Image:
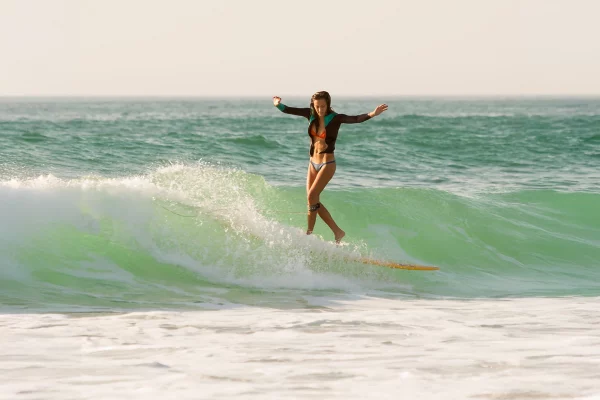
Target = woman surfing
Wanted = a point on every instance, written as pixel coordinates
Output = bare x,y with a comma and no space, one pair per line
323,127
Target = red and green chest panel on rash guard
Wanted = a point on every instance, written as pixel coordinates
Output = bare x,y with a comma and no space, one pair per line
333,122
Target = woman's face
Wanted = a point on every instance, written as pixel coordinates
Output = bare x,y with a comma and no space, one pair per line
320,107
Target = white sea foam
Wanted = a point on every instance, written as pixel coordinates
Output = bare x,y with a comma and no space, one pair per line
345,347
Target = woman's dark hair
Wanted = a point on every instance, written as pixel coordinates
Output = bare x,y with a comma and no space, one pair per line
322,95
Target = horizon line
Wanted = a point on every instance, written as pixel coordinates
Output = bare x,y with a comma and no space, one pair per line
256,96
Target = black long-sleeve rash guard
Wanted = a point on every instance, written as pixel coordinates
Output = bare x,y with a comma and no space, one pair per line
333,121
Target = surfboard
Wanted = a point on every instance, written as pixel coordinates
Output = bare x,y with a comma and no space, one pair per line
389,264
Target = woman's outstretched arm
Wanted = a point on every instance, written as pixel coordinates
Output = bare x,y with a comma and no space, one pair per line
301,112
356,119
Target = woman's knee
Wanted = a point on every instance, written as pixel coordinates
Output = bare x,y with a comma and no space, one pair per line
313,197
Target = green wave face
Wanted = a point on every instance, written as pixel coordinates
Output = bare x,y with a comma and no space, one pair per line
198,235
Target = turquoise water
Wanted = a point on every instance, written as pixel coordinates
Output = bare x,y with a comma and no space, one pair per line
182,203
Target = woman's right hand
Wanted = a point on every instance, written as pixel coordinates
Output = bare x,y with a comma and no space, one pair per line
276,100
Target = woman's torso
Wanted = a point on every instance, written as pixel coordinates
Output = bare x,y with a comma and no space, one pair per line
323,141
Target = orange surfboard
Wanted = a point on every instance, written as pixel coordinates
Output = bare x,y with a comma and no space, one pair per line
394,265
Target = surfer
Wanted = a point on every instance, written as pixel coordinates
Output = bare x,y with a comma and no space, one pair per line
323,127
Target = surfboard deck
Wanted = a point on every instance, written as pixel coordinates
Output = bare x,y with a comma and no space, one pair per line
390,264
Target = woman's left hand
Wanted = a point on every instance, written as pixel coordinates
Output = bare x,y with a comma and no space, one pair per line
380,108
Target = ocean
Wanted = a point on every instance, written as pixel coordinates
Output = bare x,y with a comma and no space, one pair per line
156,248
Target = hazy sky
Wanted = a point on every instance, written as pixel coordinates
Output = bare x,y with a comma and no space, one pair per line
296,47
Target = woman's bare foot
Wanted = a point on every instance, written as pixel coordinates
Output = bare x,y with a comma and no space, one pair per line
308,232
339,236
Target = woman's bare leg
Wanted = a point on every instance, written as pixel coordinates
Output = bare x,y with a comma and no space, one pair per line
328,219
310,178
315,183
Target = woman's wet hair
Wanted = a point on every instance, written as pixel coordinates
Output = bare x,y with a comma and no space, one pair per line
322,95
